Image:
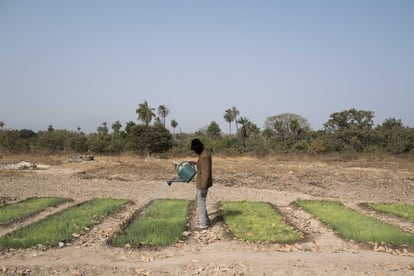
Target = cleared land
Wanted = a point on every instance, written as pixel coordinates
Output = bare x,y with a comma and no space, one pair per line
278,181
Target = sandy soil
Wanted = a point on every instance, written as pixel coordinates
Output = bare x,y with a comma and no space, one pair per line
213,252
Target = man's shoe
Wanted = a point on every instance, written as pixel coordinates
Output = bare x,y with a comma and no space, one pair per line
202,228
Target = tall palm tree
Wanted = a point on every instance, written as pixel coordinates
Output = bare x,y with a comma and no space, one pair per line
247,129
163,111
229,117
244,129
145,113
174,124
116,127
235,114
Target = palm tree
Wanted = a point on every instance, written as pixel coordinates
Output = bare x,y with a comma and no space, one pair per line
103,129
248,129
163,111
145,113
229,117
174,124
116,127
235,112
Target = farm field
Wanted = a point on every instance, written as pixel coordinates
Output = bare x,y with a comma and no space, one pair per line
278,181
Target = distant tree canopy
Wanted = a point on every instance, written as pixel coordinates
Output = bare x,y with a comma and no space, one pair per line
349,131
394,138
213,130
350,119
145,139
286,125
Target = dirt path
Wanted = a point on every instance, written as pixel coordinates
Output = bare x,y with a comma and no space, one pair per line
214,252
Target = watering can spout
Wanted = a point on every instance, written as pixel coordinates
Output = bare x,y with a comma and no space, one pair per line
185,171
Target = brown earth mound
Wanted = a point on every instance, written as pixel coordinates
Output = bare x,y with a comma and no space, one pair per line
213,252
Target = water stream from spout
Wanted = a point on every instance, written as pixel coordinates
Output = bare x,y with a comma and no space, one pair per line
160,191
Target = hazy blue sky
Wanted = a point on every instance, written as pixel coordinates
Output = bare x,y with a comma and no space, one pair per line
79,63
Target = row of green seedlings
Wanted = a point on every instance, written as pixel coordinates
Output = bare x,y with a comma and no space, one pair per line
162,223
355,226
58,227
29,207
405,211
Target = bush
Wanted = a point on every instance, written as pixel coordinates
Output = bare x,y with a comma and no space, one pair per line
145,139
326,143
99,143
78,143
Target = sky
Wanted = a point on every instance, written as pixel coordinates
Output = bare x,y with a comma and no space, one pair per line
79,63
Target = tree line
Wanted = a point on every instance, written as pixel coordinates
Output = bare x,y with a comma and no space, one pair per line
348,131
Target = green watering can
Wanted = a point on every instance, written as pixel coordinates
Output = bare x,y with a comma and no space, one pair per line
185,172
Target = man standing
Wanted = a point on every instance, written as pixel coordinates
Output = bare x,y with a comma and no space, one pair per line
203,182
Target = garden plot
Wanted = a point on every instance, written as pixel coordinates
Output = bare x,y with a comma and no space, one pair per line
394,213
165,222
257,221
160,223
355,226
405,211
63,226
17,211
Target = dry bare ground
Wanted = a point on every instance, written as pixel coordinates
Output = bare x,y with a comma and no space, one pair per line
214,252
